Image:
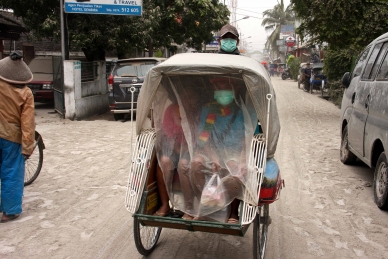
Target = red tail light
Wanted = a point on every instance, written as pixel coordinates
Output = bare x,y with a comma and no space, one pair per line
110,83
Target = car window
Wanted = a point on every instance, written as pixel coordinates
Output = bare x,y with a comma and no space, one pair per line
133,69
383,72
379,59
372,61
360,62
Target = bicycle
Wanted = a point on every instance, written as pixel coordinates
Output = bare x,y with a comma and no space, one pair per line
34,163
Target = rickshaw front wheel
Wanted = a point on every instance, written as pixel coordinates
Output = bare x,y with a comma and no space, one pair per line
260,231
145,237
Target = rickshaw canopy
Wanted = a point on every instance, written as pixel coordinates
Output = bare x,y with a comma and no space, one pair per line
256,78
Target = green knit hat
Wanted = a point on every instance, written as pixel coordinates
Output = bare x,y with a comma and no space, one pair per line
14,70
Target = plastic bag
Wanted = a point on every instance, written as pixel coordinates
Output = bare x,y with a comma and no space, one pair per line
212,194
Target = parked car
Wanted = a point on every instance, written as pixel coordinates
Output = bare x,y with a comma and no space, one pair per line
364,115
42,82
127,73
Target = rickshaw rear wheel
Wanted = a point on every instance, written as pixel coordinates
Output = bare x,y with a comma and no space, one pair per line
145,237
260,231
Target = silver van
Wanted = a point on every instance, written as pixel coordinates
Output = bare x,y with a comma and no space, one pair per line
126,74
364,115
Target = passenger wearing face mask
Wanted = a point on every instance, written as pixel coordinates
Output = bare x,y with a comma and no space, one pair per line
228,40
220,149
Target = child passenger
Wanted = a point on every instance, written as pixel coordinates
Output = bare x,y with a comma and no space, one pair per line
172,147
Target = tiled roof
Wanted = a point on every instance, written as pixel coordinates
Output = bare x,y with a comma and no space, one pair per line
10,26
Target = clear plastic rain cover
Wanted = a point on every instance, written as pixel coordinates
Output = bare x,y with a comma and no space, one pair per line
204,128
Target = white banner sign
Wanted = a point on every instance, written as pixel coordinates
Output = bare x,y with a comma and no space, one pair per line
279,42
114,7
282,48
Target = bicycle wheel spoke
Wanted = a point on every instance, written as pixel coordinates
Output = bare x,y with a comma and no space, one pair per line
34,163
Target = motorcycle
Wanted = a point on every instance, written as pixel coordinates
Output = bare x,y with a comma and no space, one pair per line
286,74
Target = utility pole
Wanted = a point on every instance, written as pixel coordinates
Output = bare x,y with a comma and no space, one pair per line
233,12
64,38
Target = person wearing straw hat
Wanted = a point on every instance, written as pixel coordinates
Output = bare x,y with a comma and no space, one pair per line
17,132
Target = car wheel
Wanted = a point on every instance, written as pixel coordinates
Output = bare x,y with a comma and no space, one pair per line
118,116
347,157
380,183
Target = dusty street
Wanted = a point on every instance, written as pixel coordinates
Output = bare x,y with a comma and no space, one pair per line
75,208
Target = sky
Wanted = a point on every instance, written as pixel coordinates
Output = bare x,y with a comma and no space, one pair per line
251,27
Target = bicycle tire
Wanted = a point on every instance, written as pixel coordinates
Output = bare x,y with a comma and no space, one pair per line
33,164
260,232
145,237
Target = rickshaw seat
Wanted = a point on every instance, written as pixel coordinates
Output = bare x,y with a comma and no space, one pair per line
147,193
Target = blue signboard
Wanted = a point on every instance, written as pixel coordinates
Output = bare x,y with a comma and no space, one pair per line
113,7
214,42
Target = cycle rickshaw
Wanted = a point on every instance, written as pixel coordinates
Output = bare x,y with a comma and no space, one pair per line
188,81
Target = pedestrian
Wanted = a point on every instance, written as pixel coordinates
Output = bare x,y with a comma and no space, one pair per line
17,129
307,76
272,69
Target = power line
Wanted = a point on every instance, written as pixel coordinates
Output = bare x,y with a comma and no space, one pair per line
249,11
250,16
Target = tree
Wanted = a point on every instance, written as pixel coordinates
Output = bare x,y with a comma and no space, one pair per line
273,20
162,23
191,22
347,27
341,23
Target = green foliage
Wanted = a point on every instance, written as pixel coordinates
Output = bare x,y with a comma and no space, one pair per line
341,24
336,92
159,54
347,27
289,58
337,62
162,23
293,63
190,22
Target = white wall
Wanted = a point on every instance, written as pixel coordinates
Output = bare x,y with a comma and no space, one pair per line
83,100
